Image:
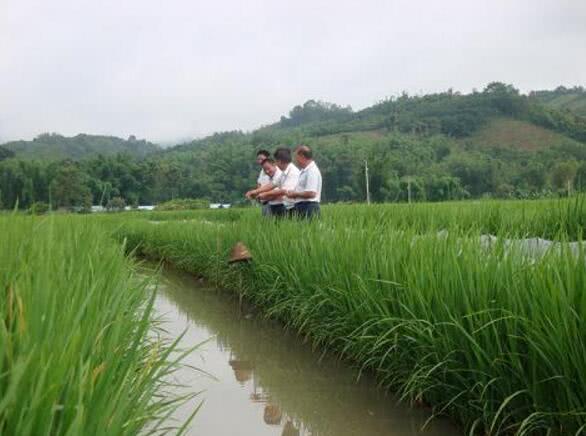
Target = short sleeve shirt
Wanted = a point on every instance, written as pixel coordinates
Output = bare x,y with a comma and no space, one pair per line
276,180
310,180
288,182
263,178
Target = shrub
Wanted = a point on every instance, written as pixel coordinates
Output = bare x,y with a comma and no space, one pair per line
39,208
183,204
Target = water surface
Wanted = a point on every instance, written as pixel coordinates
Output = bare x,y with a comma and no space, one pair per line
266,380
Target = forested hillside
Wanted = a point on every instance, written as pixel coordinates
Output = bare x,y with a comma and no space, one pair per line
496,142
446,146
52,146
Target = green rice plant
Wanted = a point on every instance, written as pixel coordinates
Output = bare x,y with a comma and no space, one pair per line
537,218
488,334
78,353
223,215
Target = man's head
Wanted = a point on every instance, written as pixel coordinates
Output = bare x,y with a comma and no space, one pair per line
303,155
261,155
283,157
269,167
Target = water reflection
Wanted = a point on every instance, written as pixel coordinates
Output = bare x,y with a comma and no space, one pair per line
269,382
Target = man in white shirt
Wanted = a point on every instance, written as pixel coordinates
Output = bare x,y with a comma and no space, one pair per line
307,192
262,180
275,175
282,205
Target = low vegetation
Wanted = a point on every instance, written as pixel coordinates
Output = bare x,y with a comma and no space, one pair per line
183,204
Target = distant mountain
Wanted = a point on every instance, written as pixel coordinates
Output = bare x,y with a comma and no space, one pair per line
562,98
499,116
52,146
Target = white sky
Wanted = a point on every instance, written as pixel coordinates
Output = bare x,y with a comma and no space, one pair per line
173,69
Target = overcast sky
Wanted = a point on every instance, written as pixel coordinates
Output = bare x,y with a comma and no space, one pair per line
172,69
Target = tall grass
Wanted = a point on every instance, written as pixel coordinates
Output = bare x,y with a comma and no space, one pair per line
483,334
77,353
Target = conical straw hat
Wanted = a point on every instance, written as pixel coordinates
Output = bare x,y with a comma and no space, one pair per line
239,253
272,414
242,370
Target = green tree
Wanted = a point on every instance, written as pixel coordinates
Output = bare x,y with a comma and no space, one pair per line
116,204
535,175
69,187
5,153
563,175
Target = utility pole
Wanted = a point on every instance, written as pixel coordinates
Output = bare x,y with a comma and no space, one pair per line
409,189
569,187
367,184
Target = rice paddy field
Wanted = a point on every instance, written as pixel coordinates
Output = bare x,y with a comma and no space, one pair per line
456,306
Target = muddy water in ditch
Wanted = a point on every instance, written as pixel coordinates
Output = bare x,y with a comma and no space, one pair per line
266,380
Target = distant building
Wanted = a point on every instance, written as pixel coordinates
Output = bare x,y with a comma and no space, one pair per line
98,208
220,205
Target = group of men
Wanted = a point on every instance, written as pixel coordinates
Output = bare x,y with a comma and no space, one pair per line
284,189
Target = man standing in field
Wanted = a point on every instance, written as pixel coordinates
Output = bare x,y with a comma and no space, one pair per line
286,182
262,180
276,175
275,203
307,192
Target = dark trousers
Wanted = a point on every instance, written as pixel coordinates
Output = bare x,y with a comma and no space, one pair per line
307,209
266,209
278,210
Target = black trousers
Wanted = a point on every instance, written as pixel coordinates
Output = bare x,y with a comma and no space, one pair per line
266,209
278,210
307,209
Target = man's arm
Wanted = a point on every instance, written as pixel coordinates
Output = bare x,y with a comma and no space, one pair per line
255,192
304,194
310,191
273,194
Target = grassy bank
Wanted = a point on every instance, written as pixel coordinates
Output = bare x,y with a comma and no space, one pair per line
484,334
77,353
